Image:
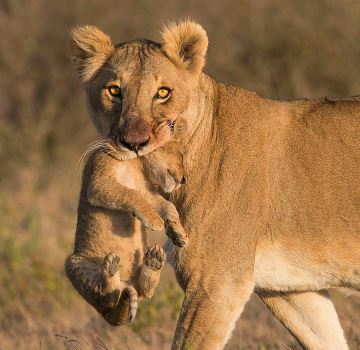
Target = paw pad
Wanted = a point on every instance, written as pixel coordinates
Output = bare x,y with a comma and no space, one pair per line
111,264
155,257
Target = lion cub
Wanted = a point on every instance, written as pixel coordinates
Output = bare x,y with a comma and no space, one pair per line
111,266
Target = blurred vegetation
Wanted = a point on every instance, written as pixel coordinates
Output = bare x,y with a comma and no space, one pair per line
279,48
169,297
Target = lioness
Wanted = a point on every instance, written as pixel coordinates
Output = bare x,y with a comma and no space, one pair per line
272,202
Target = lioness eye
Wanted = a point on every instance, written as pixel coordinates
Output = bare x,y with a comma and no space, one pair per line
114,91
163,93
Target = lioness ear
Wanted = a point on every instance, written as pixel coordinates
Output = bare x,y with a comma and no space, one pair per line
90,50
185,44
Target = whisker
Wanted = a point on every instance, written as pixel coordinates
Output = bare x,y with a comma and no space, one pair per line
93,145
88,150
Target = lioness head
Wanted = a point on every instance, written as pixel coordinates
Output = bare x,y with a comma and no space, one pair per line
134,86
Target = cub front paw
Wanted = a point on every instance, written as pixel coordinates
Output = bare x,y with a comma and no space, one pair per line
176,233
111,264
155,257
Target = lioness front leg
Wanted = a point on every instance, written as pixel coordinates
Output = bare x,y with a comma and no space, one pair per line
150,272
209,313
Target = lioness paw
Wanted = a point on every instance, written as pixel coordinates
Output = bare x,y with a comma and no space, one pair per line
155,257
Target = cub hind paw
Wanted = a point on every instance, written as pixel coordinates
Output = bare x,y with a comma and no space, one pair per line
155,257
111,264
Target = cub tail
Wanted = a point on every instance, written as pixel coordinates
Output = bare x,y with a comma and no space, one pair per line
125,310
133,302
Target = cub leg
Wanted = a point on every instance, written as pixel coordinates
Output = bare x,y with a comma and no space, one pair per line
97,284
310,317
170,215
150,272
125,310
110,194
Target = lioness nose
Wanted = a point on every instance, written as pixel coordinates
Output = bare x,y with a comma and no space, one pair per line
134,146
134,133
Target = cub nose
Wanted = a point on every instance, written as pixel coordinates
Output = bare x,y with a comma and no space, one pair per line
134,134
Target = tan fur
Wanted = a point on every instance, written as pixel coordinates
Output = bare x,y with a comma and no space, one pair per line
110,267
91,48
185,44
272,199
310,317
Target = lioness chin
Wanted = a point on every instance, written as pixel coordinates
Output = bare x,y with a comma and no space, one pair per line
272,202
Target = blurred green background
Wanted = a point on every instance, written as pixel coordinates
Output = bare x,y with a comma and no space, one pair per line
280,48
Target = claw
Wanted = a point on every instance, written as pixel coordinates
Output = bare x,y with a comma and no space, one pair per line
179,242
131,317
158,255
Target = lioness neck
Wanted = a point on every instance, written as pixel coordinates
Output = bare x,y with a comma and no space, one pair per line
225,135
201,137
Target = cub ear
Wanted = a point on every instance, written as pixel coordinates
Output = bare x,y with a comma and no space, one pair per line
185,43
90,48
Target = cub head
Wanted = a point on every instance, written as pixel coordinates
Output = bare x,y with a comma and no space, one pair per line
134,86
164,168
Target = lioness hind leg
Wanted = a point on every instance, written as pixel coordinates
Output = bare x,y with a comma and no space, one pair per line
150,271
310,317
97,284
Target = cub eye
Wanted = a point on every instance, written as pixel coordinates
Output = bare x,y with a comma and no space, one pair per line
114,91
163,93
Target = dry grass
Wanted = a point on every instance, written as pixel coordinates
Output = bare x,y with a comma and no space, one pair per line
279,48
